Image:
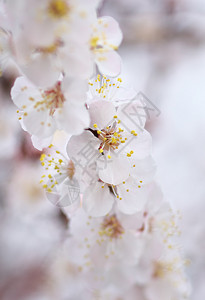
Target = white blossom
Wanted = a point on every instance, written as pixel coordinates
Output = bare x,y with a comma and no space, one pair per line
62,106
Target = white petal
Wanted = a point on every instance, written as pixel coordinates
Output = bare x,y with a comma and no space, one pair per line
134,221
39,123
98,201
114,171
143,170
67,194
133,197
129,248
40,143
111,30
73,118
74,89
108,62
41,71
82,146
140,144
101,113
132,115
22,90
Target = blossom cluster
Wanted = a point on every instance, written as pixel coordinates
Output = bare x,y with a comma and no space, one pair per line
121,232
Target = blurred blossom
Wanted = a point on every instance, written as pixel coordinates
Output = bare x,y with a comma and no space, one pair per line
61,251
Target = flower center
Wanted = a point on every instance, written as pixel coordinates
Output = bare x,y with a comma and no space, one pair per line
103,86
110,138
111,227
58,9
52,99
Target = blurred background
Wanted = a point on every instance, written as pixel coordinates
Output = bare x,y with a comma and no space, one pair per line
163,53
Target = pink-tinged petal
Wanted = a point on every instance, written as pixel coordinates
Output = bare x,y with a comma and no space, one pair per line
108,62
132,115
82,146
101,113
22,92
161,289
141,145
131,197
155,202
74,89
143,170
78,63
73,118
110,28
39,123
114,171
129,247
98,201
133,222
41,71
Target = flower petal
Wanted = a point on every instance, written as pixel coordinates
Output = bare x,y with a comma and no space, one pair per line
82,147
97,201
72,118
141,145
111,30
101,113
133,115
22,91
108,62
39,123
131,198
143,170
114,171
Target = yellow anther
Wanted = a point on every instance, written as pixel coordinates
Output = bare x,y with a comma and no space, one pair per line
139,186
127,190
95,125
131,152
49,176
109,156
58,9
115,117
99,132
50,146
43,155
102,186
101,150
128,155
57,152
94,42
